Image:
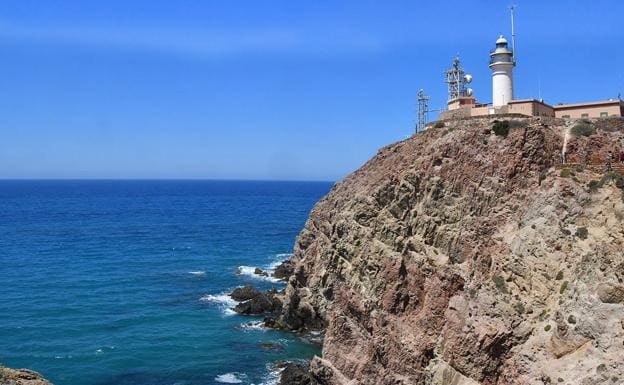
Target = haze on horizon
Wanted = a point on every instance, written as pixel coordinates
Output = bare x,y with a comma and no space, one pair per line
266,90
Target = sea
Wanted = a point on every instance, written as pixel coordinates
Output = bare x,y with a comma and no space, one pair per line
127,282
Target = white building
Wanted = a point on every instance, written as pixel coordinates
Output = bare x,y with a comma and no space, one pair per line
502,63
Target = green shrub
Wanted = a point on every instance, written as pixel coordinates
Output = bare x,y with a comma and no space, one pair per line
583,128
438,125
582,232
559,276
566,172
547,328
500,284
501,128
563,287
612,176
593,185
517,124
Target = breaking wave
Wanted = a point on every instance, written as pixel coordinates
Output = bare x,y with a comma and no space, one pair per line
250,271
223,300
230,378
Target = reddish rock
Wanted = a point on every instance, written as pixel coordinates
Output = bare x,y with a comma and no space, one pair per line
435,262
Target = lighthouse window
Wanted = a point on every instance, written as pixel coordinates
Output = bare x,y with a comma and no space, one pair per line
604,114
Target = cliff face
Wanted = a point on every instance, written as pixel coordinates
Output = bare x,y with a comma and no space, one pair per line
21,377
462,257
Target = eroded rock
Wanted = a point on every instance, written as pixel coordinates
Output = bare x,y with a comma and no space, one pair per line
459,247
21,377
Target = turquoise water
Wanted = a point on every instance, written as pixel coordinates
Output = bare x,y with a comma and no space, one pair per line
122,282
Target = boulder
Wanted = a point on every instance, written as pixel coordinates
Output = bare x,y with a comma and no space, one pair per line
255,302
609,293
295,373
245,293
284,270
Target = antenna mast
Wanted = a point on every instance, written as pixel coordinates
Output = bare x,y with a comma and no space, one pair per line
423,111
512,8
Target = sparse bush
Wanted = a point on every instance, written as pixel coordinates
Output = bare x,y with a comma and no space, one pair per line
438,125
612,176
593,185
501,128
582,232
517,124
566,172
500,284
563,287
547,328
519,306
559,276
583,128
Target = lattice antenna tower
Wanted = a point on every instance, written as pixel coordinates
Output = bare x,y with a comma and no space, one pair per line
423,111
455,80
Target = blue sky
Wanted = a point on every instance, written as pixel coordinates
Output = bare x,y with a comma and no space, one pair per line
283,90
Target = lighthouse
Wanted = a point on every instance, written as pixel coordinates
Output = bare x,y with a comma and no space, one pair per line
502,63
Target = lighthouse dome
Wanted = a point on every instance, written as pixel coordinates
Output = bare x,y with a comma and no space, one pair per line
501,40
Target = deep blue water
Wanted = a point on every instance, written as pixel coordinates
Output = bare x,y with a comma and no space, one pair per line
120,282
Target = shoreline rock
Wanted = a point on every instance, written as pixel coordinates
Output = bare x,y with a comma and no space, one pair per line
296,373
21,377
255,302
284,270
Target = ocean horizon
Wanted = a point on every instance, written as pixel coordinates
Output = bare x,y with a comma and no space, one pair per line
126,281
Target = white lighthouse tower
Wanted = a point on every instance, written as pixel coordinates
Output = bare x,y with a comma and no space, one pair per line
502,63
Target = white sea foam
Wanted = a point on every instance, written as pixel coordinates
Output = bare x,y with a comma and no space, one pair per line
197,273
230,378
254,325
272,377
249,271
223,300
279,259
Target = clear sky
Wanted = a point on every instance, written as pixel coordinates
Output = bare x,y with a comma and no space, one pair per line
301,90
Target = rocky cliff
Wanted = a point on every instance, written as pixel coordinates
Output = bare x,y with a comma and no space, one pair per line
466,255
21,377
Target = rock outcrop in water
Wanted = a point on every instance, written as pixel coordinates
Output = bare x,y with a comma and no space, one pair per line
21,377
254,302
461,257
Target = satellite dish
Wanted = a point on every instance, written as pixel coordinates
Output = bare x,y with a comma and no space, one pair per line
467,78
468,91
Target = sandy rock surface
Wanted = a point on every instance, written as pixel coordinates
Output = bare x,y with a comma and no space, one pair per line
21,377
